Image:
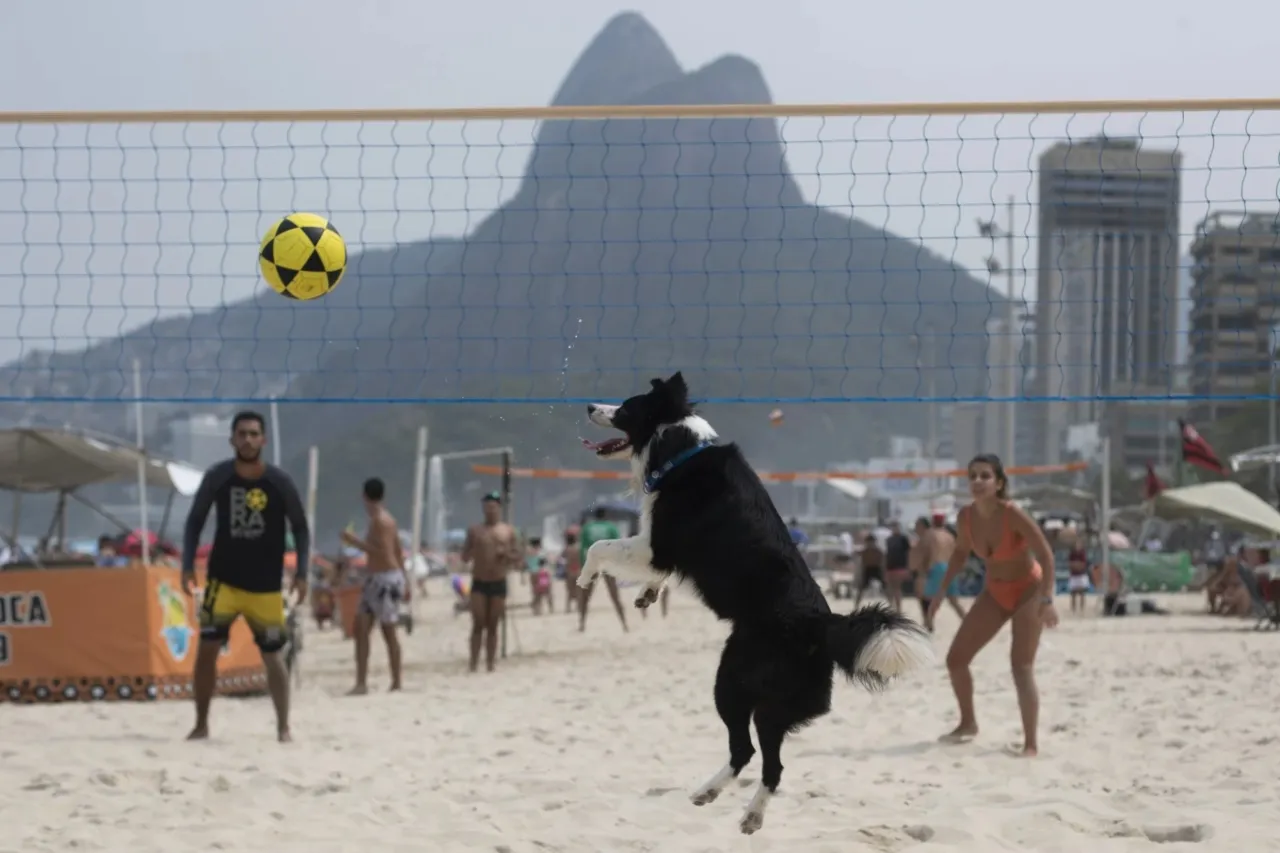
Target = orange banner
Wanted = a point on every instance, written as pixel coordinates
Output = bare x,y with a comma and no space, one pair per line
96,633
781,476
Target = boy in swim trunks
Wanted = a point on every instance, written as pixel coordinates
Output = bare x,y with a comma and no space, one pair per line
385,585
937,545
492,550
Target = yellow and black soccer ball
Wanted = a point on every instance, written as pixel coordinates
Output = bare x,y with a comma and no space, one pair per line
303,256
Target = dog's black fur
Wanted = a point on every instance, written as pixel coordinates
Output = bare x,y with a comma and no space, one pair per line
714,525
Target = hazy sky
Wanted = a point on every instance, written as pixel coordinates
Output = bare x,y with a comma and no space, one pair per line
926,180
159,54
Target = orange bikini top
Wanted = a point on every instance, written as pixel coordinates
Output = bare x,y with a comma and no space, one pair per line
1011,544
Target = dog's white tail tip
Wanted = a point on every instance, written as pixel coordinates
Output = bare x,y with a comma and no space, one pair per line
896,651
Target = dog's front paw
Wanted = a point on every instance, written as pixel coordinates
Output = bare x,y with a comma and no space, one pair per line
587,576
648,596
711,788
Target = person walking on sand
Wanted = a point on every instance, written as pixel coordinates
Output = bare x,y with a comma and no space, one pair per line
386,584
871,568
937,546
572,558
897,564
1019,589
1078,576
596,530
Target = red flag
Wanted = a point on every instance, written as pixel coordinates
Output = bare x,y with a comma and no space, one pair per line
1196,451
1154,484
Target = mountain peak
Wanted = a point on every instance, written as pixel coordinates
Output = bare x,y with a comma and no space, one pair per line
628,25
627,57
736,75
730,79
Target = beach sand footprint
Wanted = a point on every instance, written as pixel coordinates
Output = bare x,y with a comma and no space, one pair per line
893,838
1185,834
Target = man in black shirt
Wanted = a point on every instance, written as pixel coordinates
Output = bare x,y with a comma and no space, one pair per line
253,502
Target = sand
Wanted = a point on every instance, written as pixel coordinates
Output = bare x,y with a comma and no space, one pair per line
1157,731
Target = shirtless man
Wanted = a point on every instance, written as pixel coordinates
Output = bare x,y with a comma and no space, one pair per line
872,569
492,550
385,585
937,545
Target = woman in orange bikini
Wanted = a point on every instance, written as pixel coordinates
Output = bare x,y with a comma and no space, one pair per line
1017,590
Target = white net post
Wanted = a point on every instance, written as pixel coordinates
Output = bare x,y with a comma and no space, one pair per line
419,478
1104,523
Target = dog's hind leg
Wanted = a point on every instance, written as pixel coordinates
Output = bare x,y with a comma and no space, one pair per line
734,705
774,721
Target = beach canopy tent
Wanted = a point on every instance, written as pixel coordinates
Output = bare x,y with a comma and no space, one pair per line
64,461
1225,502
47,459
90,632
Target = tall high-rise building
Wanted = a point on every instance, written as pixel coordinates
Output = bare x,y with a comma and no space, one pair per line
995,416
1107,288
968,430
1235,314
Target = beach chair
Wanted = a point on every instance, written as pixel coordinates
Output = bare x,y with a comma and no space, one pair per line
1264,589
841,584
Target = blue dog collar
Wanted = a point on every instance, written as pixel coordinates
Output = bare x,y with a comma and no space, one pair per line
651,481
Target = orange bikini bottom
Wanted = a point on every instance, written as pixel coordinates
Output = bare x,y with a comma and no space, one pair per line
1009,594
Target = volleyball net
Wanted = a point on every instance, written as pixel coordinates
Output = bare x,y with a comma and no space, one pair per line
1060,256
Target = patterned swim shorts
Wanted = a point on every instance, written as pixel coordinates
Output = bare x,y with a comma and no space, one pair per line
381,596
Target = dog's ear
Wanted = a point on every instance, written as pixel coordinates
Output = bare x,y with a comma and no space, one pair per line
676,387
656,383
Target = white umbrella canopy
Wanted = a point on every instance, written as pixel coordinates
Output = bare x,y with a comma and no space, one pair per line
1225,502
44,459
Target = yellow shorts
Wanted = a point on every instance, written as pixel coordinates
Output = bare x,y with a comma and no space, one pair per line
263,611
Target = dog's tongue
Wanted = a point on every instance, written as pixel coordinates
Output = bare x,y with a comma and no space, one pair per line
593,445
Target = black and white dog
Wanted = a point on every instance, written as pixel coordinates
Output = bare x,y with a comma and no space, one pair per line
707,519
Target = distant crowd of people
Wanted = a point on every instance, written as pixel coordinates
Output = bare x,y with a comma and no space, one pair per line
493,550
912,564
257,507
110,551
904,566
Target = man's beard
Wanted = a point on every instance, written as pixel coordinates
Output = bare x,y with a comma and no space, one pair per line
248,455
